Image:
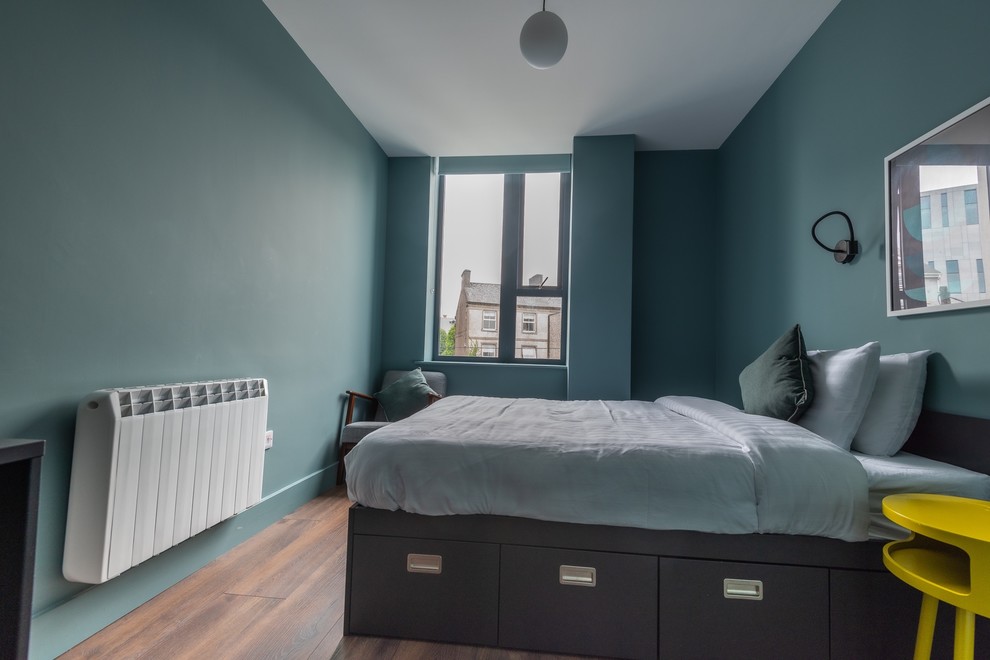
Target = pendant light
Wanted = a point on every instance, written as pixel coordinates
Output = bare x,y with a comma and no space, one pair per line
543,39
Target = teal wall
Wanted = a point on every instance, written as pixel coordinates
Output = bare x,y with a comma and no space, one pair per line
599,340
874,77
599,347
407,299
183,197
674,281
506,380
638,219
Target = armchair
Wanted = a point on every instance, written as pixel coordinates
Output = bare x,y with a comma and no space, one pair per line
356,428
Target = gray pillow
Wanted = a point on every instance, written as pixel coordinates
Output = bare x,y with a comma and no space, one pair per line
779,383
844,382
407,395
895,404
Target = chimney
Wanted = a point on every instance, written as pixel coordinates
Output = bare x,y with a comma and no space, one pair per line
465,278
536,280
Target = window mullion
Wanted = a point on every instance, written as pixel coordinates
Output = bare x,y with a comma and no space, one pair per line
512,210
439,268
563,259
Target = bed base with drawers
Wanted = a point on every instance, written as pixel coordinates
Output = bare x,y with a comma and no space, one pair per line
635,593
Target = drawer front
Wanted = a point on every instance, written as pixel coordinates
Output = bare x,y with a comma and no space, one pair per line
875,615
444,591
566,601
714,609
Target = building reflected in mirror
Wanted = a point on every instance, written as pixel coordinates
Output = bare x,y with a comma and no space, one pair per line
938,218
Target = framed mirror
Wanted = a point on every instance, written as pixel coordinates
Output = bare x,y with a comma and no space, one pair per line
938,218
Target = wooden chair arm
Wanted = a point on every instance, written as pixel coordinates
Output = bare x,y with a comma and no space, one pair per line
432,398
351,398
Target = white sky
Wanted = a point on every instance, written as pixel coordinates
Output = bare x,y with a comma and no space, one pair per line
472,231
937,177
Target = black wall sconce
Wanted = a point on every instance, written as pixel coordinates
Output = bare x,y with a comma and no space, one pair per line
844,251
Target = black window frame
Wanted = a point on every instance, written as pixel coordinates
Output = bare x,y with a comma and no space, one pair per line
513,208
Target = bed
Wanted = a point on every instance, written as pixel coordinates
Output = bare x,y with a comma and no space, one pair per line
470,533
677,463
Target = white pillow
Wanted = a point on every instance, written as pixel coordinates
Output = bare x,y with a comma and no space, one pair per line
844,381
895,406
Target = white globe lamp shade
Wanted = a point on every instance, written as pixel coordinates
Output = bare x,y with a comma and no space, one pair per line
543,39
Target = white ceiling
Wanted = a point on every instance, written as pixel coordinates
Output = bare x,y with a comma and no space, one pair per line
445,77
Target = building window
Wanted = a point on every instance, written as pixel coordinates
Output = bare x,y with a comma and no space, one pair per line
926,212
501,247
529,323
952,276
972,211
945,209
981,278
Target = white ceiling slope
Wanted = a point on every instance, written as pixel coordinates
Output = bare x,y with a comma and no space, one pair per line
445,77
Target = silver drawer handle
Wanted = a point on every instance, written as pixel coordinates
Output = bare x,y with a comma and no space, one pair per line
578,576
424,564
743,589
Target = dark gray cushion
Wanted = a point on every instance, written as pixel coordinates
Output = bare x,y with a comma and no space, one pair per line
407,395
435,379
356,431
778,383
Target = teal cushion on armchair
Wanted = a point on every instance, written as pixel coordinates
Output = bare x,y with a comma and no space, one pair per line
407,395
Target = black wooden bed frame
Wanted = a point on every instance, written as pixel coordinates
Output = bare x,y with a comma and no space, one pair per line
500,581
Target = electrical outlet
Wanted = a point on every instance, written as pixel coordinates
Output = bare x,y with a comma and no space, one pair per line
269,439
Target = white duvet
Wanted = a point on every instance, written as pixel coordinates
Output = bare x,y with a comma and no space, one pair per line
678,463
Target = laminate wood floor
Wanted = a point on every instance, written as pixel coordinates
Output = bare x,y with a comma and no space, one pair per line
280,594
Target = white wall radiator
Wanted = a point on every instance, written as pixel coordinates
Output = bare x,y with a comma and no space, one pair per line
155,465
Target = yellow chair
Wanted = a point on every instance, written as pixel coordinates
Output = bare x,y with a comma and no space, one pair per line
947,558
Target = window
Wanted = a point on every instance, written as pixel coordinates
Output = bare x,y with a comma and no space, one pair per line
981,278
972,211
945,209
952,274
501,247
926,212
529,323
